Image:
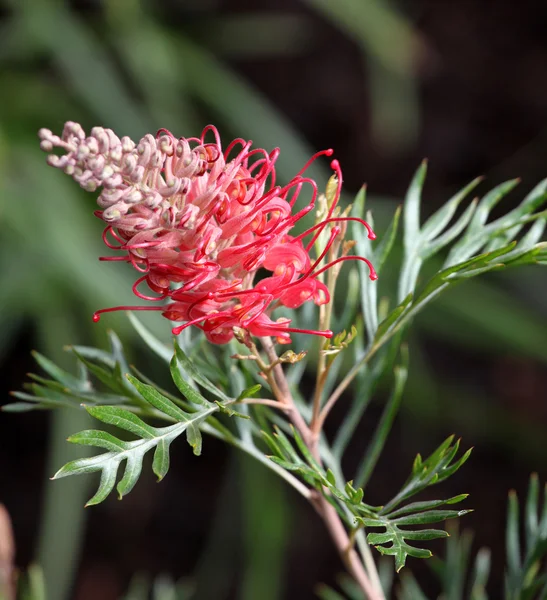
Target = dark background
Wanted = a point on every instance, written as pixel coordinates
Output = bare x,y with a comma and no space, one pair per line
463,83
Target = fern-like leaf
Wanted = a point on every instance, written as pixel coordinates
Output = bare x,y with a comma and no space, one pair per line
132,452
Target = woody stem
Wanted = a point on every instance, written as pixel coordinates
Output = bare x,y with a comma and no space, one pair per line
332,520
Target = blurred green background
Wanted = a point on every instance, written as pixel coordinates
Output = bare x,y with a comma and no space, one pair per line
384,84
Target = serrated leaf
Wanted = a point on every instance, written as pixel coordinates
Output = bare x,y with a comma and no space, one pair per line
397,538
424,473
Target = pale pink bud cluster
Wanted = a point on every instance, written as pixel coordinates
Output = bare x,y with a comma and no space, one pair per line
199,222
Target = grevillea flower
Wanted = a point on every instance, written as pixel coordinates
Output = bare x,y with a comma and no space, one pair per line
198,223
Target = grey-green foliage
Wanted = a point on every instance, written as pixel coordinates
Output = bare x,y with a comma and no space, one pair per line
161,588
473,247
386,318
119,409
526,575
385,328
399,520
31,584
482,246
107,391
210,383
158,438
463,577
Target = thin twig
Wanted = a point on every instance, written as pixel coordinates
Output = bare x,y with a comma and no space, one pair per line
325,316
344,384
265,402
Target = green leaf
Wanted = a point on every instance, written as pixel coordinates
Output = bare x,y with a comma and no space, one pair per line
157,400
392,318
227,410
158,347
383,428
415,507
160,464
66,379
440,219
133,468
32,585
122,418
249,392
187,365
99,439
411,213
450,234
523,579
178,375
133,451
481,572
478,235
393,540
110,377
387,242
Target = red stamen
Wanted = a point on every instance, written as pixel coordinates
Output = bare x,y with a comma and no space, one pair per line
372,276
177,330
371,234
97,314
335,166
110,230
335,231
162,131
115,258
215,133
143,296
328,152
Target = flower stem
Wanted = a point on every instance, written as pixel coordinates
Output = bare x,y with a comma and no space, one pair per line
332,520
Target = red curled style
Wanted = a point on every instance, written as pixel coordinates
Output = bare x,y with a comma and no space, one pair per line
198,222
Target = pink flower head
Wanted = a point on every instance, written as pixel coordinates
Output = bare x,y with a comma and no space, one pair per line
199,223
